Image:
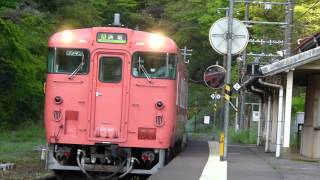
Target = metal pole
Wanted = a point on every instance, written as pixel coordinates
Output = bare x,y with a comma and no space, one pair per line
265,22
224,63
195,122
243,72
228,80
268,124
288,30
262,2
236,123
215,111
259,123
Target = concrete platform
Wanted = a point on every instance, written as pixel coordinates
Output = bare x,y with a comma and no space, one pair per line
214,169
200,160
244,164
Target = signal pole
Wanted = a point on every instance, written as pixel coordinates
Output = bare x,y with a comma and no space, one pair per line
228,80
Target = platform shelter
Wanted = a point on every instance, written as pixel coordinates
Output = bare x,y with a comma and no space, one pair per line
275,88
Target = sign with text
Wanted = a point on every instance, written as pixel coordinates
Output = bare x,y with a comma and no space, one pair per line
112,38
206,120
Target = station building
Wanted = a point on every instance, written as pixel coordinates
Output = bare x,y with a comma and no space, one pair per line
275,86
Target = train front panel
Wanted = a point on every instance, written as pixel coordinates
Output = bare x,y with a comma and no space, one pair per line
112,97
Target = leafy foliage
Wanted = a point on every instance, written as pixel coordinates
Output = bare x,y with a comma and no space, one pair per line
20,89
25,26
247,136
306,21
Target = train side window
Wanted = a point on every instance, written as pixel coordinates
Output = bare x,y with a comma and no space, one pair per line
110,69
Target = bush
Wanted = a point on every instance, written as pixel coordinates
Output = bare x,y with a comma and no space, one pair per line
243,136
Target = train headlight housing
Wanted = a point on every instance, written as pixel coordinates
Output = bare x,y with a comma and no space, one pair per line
159,105
58,100
156,41
67,36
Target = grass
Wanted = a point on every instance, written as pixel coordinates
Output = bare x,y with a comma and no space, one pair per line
243,136
18,145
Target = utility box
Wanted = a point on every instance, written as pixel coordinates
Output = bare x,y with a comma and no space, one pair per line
299,127
256,116
300,117
256,112
253,69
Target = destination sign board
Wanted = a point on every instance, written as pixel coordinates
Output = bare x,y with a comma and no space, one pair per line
111,38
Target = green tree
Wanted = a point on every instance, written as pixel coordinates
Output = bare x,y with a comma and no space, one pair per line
26,25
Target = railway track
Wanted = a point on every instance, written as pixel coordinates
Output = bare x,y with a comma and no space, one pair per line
125,178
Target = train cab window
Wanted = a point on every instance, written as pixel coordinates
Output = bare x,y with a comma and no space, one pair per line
110,69
154,65
67,61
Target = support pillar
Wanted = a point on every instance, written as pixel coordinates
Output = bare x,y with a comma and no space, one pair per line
274,119
268,122
311,128
287,114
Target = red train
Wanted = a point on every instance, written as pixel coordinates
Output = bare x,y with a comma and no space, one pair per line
115,101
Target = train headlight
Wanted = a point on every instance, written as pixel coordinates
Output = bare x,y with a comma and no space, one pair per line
67,36
156,41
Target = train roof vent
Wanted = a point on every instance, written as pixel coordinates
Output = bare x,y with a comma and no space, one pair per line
116,21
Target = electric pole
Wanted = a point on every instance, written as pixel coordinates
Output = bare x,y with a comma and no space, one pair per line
245,55
242,74
228,79
289,78
288,30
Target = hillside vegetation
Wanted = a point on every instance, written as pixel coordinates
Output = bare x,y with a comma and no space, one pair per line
25,26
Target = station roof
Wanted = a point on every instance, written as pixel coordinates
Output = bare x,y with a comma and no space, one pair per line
308,57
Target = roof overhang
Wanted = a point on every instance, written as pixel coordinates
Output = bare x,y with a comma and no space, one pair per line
291,62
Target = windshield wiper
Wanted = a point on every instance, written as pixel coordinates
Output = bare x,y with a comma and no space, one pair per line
78,68
144,70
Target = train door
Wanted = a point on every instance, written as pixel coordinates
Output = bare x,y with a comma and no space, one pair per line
108,104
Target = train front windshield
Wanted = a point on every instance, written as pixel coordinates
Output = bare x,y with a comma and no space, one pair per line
154,65
67,61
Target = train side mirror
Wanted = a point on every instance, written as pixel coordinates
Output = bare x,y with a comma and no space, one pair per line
214,77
